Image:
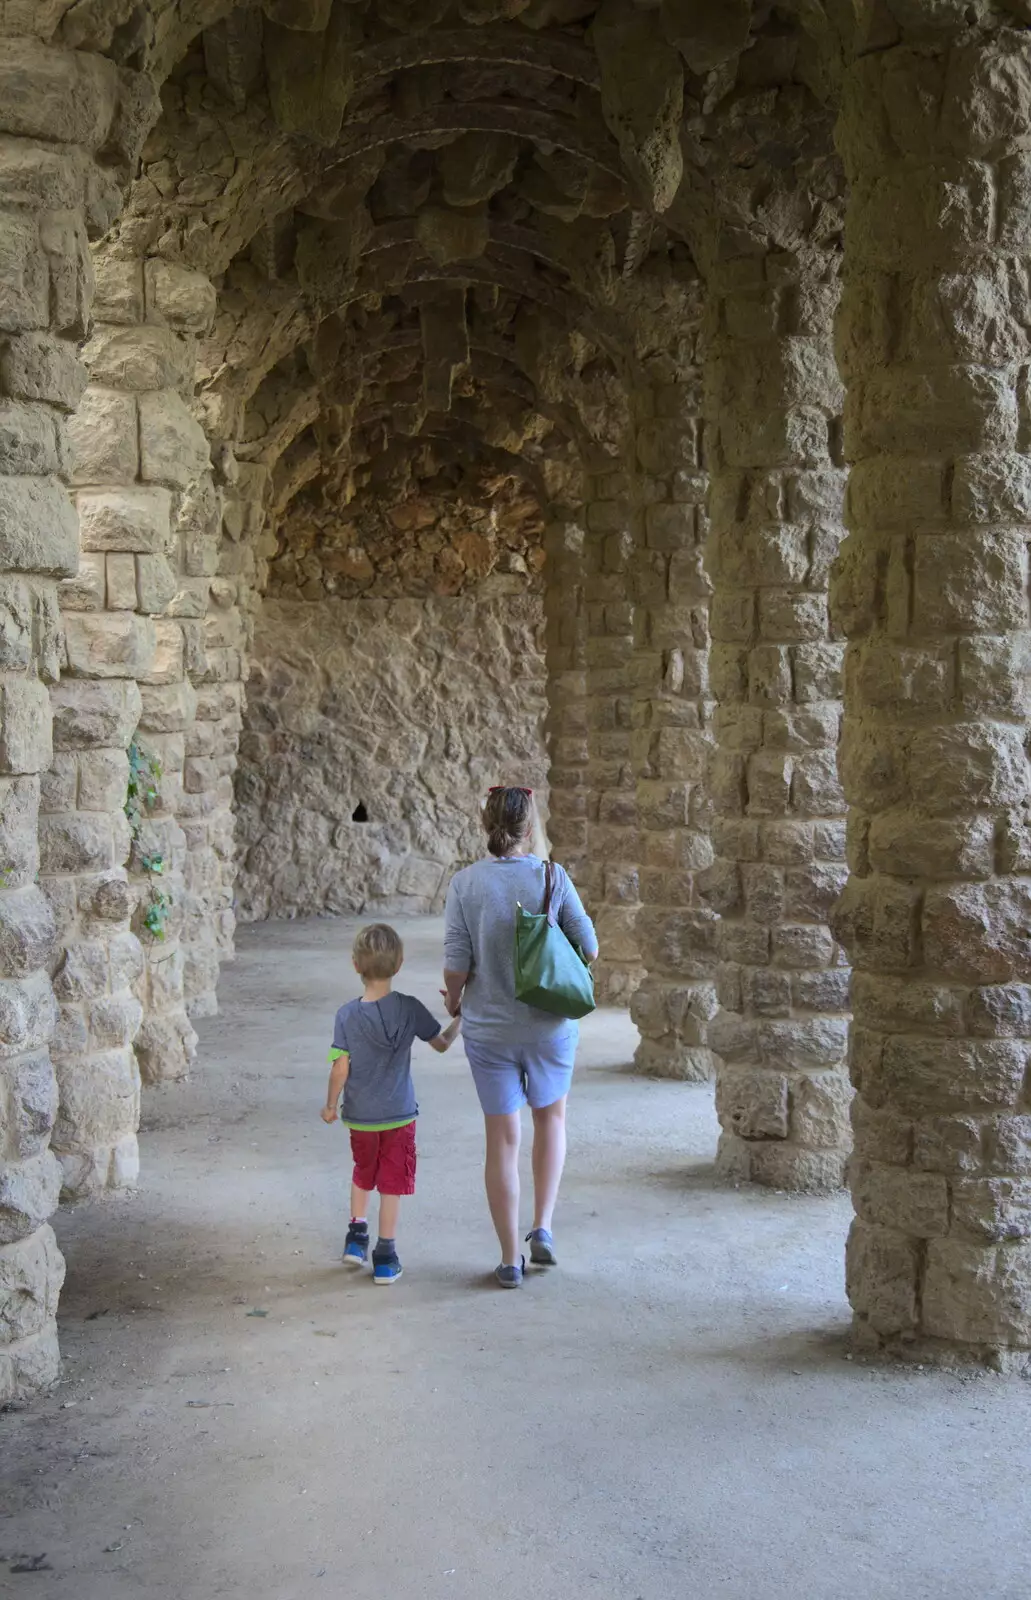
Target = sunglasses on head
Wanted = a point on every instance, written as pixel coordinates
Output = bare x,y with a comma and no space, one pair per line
499,788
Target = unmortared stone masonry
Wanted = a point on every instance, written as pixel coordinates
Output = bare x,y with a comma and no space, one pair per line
513,349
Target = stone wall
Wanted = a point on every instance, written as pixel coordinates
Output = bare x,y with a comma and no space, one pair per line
407,708
423,527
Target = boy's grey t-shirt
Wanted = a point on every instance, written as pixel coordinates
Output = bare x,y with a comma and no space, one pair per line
377,1036
479,938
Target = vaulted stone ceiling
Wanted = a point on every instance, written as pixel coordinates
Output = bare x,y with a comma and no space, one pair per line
479,220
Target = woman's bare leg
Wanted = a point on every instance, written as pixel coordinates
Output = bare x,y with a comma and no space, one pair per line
501,1175
549,1157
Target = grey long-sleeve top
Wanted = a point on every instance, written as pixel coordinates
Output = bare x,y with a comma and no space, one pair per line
479,938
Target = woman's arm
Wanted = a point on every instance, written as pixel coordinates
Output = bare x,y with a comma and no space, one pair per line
574,921
458,952
454,983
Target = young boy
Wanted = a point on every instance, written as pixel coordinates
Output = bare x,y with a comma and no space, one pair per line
372,1067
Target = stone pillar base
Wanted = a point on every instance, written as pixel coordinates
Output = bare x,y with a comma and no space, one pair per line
780,1165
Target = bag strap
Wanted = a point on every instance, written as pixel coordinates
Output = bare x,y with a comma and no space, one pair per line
549,891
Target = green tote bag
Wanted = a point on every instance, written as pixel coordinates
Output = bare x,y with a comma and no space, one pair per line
550,971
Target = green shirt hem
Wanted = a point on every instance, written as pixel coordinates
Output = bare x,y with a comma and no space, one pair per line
378,1127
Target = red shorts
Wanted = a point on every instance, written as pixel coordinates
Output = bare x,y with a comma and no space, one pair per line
385,1161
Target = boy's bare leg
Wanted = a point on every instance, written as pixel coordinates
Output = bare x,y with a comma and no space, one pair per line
359,1201
549,1158
389,1209
501,1176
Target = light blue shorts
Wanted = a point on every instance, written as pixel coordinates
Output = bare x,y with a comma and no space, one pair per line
510,1076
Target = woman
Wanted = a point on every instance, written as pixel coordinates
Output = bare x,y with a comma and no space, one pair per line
518,1054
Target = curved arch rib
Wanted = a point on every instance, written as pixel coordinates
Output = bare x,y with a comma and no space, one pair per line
491,46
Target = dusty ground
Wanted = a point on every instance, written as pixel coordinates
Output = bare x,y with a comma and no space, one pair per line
668,1416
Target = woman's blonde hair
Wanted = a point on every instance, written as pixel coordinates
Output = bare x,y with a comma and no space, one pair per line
377,951
508,819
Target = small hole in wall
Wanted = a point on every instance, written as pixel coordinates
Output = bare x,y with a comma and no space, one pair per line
359,814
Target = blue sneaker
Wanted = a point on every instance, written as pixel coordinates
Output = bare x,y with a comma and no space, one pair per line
511,1277
356,1245
386,1269
542,1248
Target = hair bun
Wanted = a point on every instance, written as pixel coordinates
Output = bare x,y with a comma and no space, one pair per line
508,820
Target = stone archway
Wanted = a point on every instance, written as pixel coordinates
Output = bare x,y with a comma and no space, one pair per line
266,268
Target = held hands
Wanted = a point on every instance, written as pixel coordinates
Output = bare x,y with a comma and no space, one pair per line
452,1007
329,1113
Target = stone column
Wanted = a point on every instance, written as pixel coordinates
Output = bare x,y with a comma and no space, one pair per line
932,590
774,398
565,634
611,880
56,109
672,745
237,559
141,470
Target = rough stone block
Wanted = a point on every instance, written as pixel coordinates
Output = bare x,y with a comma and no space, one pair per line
168,708
31,1275
88,715
56,95
920,1075
103,780
30,441
27,932
991,488
991,1210
86,591
950,1144
106,897
994,676
173,449
978,1294
25,726
28,1195
820,1104
31,1091
109,644
165,1047
976,933
35,366
914,1203
751,1102
63,238
177,295
946,411
902,842
119,290
155,583
806,1044
105,438
169,661
16,629
969,583
40,528
99,1099
114,1021
24,278
19,806
31,1367
885,674
120,581
881,1268
139,359
134,519
76,841
1002,1011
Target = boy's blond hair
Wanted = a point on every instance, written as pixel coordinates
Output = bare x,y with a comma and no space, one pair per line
378,952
